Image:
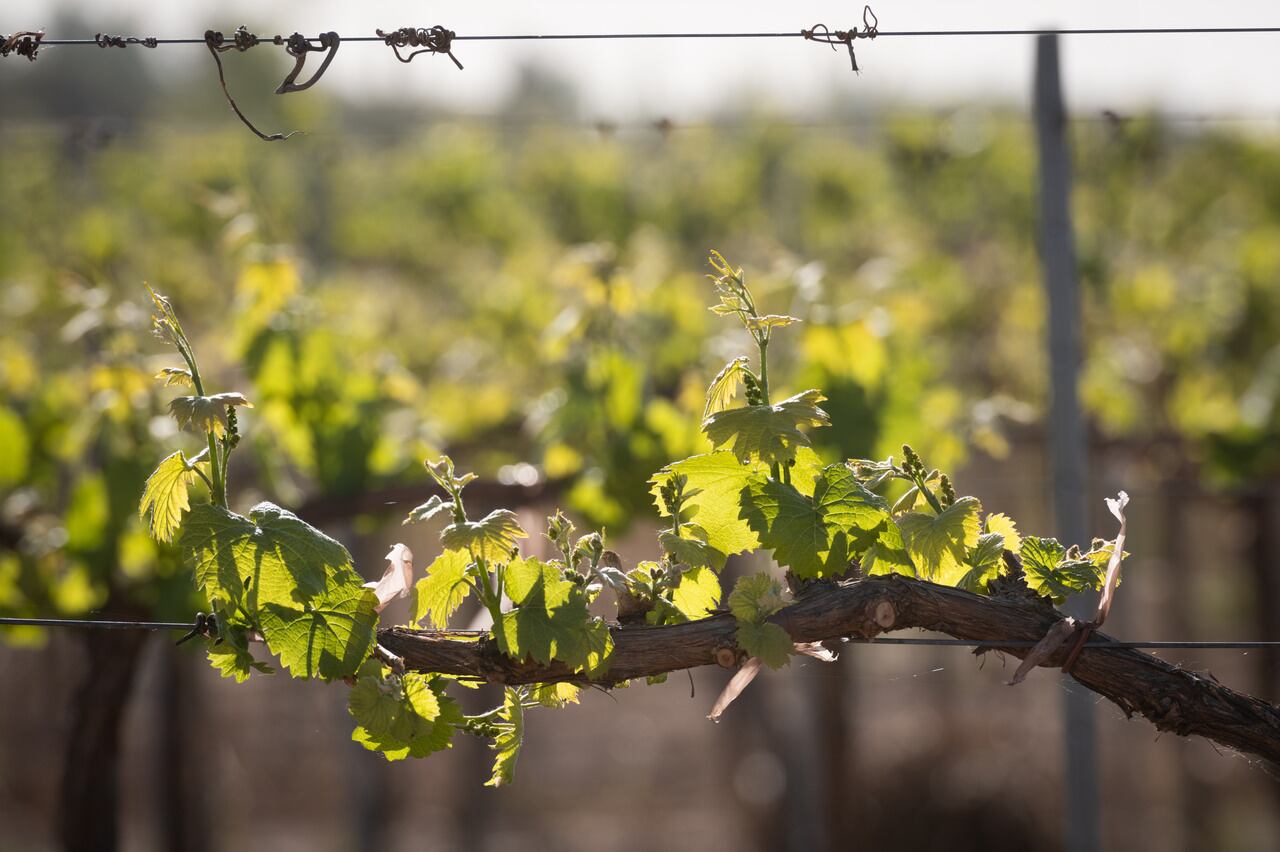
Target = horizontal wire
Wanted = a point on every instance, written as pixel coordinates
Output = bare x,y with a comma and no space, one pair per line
91,624
80,42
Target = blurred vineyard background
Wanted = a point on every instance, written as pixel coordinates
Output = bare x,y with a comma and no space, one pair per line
526,293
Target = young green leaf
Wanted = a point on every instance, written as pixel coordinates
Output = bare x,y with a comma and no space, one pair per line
984,563
509,738
770,433
327,637
176,376
691,551
724,387
1003,524
755,597
550,619
217,546
938,544
401,715
231,655
766,641
554,694
206,413
439,594
888,555
768,322
1050,571
165,496
428,510
698,594
718,479
492,538
814,536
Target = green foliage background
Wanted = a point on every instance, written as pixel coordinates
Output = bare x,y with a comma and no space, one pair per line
533,295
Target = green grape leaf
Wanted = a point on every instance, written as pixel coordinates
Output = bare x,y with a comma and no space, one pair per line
814,536
328,637
1003,524
231,655
297,583
206,413
698,594
550,619
768,321
1051,572
176,376
888,554
938,544
492,538
217,546
428,510
770,433
983,563
554,694
510,736
724,387
165,496
439,594
691,551
767,641
755,597
401,716
718,479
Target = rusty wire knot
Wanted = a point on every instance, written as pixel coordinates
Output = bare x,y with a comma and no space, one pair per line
434,40
25,43
823,34
124,41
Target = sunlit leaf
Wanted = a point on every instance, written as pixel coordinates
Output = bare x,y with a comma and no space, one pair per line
724,387
439,594
814,536
164,498
770,433
491,538
938,544
206,413
510,736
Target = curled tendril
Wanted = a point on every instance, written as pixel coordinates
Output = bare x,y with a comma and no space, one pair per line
822,34
25,43
434,40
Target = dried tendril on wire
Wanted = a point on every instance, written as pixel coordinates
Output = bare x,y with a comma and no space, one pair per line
434,40
103,40
24,43
822,34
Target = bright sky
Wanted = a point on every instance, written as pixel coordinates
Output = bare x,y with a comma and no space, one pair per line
626,81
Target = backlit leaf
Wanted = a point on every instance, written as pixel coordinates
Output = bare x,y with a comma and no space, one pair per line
492,538
439,594
165,496
206,413
938,544
770,433
814,536
767,642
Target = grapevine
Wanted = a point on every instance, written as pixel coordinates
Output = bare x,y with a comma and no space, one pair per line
272,580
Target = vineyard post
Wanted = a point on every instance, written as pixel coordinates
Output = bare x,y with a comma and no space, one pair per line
1067,436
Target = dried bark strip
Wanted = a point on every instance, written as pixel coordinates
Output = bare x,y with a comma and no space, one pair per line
1172,698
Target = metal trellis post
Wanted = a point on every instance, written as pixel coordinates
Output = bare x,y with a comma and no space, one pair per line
1067,435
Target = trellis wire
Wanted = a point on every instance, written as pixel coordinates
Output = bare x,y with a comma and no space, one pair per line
91,624
80,42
